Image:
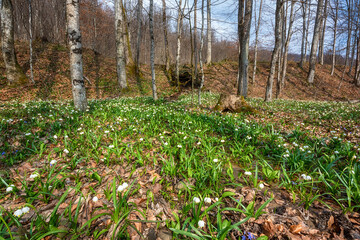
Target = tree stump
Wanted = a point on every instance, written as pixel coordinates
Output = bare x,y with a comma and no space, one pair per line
233,103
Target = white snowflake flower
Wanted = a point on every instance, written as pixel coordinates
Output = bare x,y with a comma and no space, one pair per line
95,199
207,200
25,210
18,213
248,173
196,200
53,162
201,224
66,151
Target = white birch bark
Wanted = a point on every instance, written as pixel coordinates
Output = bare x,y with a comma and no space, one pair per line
178,44
120,45
334,41
76,64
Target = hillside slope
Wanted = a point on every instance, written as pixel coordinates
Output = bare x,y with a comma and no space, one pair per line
51,73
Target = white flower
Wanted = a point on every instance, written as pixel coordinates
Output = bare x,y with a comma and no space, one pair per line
66,136
25,210
286,155
165,143
53,162
66,151
141,139
111,146
106,131
196,200
18,213
201,224
179,146
27,134
9,189
55,137
308,178
198,143
216,199
34,175
336,152
248,173
222,140
215,160
207,200
122,187
81,133
261,186
95,199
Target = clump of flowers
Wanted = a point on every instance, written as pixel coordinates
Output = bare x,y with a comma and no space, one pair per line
122,187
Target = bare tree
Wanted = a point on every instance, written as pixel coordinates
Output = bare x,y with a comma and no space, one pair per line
335,18
120,45
178,46
275,53
166,40
30,44
209,32
357,65
14,72
305,7
152,49
200,52
244,26
76,63
287,39
257,28
138,41
315,41
323,31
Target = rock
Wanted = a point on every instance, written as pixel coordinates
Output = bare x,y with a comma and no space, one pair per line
233,103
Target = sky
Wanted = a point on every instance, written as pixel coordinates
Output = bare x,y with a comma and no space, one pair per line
224,21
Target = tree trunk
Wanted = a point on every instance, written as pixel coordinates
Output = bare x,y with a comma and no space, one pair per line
14,72
357,67
76,64
152,49
120,45
138,42
353,47
348,42
166,41
257,28
315,42
286,48
275,53
129,57
209,32
30,44
245,12
322,38
200,52
178,46
305,7
334,42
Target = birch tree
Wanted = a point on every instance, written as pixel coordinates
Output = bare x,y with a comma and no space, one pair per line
14,72
305,8
120,45
315,42
357,65
76,64
244,26
275,53
152,48
209,31
257,28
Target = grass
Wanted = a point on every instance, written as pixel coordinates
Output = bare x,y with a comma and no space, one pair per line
308,148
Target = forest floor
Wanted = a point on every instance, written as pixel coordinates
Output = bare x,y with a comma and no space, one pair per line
51,73
133,167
